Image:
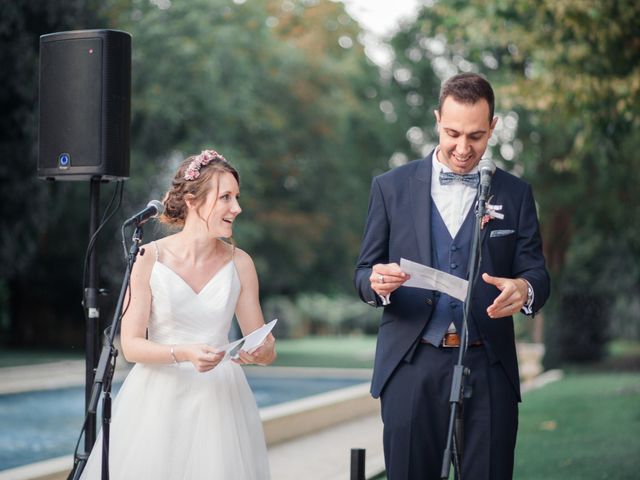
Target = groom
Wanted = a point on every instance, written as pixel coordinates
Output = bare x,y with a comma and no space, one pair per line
424,211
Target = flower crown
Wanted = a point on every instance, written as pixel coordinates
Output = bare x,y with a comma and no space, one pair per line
205,158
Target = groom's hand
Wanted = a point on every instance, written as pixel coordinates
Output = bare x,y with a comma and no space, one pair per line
386,278
513,295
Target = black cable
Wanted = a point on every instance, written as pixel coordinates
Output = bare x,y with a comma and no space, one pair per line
124,242
75,450
107,215
105,219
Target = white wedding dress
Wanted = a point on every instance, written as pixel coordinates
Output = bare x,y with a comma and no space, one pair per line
170,422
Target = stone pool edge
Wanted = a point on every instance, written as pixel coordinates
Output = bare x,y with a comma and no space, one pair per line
281,422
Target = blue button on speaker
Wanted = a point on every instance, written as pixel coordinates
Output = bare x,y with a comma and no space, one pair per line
64,160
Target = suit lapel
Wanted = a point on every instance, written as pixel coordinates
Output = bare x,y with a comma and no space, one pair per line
420,189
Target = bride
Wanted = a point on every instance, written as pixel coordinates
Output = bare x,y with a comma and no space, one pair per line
184,411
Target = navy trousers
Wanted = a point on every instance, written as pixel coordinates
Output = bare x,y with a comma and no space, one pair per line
415,413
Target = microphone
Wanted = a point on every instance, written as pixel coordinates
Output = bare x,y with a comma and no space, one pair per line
487,169
152,210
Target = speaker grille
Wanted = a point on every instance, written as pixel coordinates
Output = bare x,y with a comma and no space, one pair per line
85,89
70,102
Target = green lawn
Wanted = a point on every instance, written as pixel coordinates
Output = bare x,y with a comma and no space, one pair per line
12,357
586,426
341,352
583,427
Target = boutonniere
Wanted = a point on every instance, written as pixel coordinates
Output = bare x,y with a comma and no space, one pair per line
493,211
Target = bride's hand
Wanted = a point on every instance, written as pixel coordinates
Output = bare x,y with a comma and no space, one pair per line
203,356
265,354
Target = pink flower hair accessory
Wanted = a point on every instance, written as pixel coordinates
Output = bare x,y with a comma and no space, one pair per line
205,158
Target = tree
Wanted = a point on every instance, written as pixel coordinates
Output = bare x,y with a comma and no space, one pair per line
282,89
567,76
36,218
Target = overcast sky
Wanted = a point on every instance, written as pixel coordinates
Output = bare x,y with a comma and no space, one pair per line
381,18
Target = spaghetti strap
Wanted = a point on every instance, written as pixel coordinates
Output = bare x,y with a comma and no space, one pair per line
231,244
155,244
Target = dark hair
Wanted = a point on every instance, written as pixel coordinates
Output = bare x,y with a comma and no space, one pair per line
175,207
468,88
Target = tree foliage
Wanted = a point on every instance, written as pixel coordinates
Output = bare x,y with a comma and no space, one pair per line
36,219
567,74
282,88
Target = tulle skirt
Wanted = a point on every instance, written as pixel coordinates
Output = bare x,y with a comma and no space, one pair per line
173,423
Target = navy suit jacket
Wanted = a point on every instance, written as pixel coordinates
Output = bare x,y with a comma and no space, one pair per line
398,226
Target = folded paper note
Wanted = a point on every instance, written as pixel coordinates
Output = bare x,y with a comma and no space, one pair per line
248,343
432,279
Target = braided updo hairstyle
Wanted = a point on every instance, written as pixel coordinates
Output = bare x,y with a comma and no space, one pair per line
175,206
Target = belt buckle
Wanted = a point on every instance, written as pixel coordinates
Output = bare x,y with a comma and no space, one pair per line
450,340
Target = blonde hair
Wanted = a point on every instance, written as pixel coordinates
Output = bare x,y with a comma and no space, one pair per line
175,205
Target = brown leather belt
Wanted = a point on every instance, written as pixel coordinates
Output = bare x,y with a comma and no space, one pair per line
452,340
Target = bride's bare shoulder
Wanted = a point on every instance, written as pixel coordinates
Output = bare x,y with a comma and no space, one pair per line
243,261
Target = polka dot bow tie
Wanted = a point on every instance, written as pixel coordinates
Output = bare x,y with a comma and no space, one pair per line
468,179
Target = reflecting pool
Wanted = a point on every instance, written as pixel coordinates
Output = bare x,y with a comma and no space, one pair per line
44,424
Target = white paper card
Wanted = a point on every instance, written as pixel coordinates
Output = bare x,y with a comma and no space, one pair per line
257,337
248,343
432,279
230,349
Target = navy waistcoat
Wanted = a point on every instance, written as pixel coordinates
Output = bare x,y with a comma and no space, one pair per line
450,255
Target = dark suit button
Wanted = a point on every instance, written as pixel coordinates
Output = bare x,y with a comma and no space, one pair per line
453,304
453,248
454,266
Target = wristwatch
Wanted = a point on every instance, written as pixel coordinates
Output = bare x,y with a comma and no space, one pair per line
529,294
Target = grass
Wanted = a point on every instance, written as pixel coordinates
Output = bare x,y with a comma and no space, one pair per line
15,357
340,352
585,427
624,348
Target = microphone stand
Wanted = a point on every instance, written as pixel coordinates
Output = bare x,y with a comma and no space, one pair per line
455,432
106,368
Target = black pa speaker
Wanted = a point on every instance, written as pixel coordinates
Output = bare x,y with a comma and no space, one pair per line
85,105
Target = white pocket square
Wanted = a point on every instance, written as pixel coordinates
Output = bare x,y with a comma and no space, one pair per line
500,233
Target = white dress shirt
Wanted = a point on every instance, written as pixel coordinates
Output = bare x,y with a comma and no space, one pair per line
453,200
